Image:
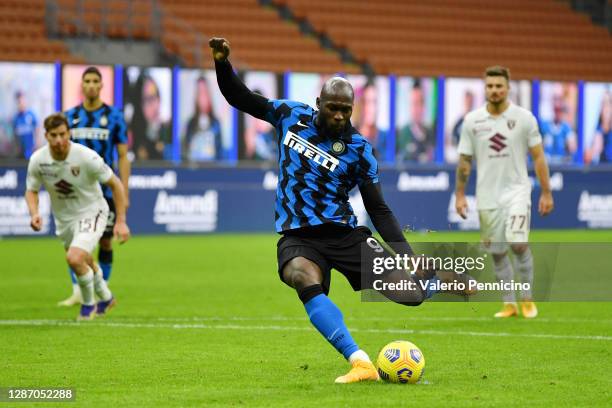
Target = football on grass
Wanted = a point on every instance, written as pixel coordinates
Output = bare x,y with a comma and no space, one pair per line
400,362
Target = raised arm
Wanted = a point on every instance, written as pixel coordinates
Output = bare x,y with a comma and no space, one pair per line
233,89
464,167
383,219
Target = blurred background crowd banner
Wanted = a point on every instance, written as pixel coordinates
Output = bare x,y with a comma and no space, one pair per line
179,115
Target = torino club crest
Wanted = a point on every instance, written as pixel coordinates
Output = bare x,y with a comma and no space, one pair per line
511,123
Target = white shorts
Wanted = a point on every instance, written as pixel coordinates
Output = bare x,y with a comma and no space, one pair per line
84,232
502,226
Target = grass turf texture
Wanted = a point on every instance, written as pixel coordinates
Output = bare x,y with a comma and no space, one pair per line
204,321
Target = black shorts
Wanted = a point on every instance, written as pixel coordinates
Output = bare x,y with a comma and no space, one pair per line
329,247
112,215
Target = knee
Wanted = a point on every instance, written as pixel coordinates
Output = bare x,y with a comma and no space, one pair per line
498,258
75,259
106,244
300,273
519,249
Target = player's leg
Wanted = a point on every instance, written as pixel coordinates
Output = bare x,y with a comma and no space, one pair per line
305,270
517,233
75,298
87,233
65,233
106,300
105,253
77,260
492,229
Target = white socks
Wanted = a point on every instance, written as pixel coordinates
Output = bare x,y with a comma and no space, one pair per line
359,355
503,271
86,283
100,286
524,263
93,281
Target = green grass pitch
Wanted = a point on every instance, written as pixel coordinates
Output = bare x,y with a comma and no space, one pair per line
204,321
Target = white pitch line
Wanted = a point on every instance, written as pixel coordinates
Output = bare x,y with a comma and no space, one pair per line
290,328
374,319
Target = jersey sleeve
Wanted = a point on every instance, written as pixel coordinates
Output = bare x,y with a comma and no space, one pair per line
368,167
277,110
465,140
120,130
97,168
534,137
33,179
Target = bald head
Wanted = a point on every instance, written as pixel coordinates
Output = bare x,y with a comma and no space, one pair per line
335,106
337,87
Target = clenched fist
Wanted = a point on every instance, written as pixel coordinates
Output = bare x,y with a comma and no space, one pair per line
220,48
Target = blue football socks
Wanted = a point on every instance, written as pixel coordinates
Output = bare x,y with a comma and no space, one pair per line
105,260
328,319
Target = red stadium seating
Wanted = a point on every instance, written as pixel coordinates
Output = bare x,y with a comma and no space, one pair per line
536,38
260,39
23,34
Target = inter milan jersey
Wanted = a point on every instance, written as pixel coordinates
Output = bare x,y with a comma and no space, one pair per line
24,125
100,130
316,171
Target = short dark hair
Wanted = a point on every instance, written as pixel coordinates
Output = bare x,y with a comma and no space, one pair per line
55,120
498,70
92,70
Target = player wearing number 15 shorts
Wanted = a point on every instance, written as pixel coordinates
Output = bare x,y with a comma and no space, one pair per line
71,173
499,135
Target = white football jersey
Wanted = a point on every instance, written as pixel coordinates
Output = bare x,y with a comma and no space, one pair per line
73,184
500,145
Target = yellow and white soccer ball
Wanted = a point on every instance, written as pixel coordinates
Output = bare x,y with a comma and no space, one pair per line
400,362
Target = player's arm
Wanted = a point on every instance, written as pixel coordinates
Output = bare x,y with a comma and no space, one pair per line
462,175
33,184
124,170
546,203
383,219
31,198
121,230
233,89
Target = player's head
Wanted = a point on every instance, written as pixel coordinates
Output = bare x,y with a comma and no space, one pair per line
417,102
335,104
151,103
91,83
57,134
21,102
497,84
369,104
203,100
468,100
559,103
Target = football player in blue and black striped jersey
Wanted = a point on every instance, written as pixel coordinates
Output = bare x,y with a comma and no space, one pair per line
321,158
100,127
